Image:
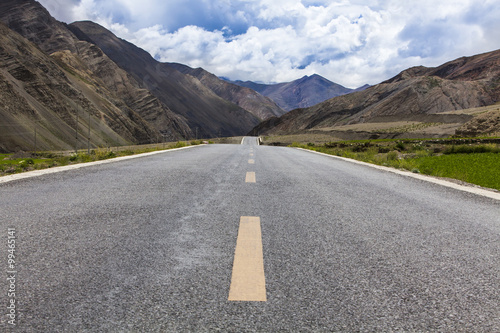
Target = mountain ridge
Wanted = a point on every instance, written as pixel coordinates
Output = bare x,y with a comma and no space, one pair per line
119,108
249,99
184,94
39,100
301,93
464,83
134,103
58,78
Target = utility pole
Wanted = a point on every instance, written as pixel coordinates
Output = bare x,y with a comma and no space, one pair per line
88,141
35,137
76,132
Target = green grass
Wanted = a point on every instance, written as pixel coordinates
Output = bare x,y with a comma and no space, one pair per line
477,168
471,149
11,163
473,163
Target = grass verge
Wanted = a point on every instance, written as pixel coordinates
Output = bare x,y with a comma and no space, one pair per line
22,162
477,163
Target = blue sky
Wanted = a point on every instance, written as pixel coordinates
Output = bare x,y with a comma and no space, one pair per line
350,42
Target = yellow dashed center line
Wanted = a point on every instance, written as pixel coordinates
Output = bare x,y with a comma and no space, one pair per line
250,177
248,282
251,161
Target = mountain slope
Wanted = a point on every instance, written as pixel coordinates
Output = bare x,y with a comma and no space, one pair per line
32,21
184,94
37,95
301,93
250,100
104,90
460,84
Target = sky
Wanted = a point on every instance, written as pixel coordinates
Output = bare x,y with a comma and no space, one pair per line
350,42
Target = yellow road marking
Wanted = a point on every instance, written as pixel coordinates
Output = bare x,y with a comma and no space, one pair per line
250,177
251,154
248,282
251,161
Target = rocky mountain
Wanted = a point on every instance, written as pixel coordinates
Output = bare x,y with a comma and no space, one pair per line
32,21
51,77
38,95
205,111
301,93
257,104
418,92
53,73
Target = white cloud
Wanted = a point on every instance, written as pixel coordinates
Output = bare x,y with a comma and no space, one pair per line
351,42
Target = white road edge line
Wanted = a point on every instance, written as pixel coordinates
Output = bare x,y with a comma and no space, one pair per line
36,173
474,190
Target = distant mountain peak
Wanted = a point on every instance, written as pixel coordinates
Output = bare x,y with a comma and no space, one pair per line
304,92
418,94
317,76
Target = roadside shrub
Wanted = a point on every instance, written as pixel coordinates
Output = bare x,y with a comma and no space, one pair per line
418,147
85,158
358,148
437,150
40,166
102,154
10,169
63,160
23,164
464,149
47,155
392,156
179,144
127,152
110,154
400,146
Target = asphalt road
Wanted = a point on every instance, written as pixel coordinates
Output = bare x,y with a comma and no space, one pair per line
148,245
